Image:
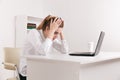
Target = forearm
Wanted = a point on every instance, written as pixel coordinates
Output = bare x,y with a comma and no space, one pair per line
64,47
61,36
44,48
61,46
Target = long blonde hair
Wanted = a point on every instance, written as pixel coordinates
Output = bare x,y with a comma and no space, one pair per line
46,22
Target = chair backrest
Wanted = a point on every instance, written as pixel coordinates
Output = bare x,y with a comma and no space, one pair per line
11,55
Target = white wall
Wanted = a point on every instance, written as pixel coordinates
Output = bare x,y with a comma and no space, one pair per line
84,19
9,9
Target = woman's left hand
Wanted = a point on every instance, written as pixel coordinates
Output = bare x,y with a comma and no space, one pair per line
61,35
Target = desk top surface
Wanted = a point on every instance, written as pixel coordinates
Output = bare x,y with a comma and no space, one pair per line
102,56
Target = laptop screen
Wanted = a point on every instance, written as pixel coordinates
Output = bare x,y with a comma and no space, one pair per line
99,43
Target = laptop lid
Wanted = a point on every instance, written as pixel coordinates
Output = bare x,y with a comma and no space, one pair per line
99,43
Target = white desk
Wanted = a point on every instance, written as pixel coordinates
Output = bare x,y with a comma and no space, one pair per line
105,66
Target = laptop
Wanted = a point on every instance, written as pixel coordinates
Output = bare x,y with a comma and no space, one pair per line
97,49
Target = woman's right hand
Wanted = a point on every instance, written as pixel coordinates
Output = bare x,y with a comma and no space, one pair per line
55,24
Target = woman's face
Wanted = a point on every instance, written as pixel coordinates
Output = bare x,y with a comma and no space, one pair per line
57,33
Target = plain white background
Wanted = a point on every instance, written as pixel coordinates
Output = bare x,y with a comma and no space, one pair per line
84,19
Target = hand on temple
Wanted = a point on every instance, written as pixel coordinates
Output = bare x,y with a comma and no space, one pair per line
54,25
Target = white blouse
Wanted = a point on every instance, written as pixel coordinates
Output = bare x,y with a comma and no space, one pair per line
37,44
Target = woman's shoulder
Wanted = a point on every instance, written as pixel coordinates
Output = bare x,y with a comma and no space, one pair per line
33,32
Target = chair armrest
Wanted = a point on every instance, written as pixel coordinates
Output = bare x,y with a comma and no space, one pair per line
9,66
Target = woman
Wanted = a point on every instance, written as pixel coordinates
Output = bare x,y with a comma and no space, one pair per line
40,41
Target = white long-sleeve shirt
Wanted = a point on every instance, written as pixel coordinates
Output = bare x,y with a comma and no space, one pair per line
37,44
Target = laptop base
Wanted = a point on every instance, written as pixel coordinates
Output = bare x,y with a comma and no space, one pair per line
82,54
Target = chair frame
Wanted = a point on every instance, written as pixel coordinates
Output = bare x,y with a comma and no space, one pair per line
11,66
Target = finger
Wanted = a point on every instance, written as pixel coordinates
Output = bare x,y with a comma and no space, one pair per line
55,19
51,21
62,21
59,21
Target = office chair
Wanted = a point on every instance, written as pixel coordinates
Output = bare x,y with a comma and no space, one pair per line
11,61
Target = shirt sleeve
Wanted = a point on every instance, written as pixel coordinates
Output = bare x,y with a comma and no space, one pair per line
41,47
33,45
61,46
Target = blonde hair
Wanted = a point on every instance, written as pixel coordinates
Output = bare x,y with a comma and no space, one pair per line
46,22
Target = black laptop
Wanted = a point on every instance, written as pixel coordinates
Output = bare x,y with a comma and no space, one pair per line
97,49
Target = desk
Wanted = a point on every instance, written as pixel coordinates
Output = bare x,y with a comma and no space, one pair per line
105,66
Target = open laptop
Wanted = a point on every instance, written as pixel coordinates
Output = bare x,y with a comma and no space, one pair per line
97,49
